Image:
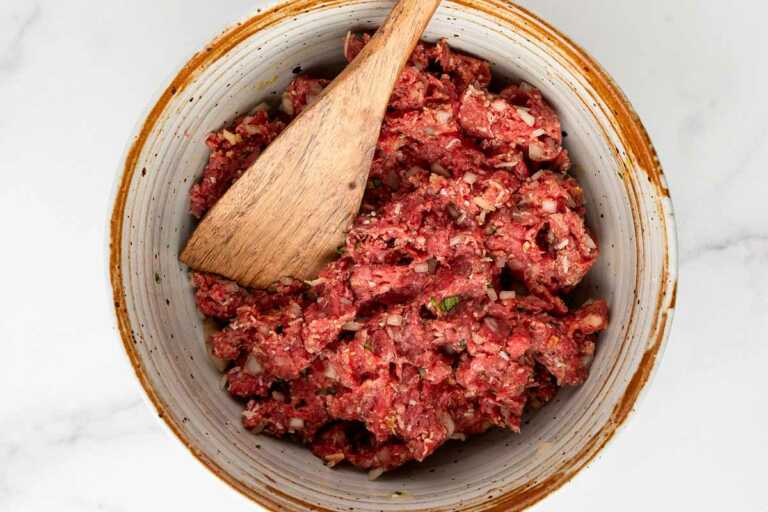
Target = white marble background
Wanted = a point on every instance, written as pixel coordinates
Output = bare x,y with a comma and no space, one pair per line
75,434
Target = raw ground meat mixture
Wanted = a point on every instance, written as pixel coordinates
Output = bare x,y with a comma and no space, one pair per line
445,314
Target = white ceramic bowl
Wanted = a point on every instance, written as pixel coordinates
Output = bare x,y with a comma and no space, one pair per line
628,207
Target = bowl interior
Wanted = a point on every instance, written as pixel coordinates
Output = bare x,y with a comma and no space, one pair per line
254,63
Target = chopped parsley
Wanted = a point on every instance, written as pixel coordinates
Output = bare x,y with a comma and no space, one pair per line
368,345
445,305
449,303
341,250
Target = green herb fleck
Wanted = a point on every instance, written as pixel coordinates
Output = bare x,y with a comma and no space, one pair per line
435,304
341,250
368,345
449,303
157,277
374,183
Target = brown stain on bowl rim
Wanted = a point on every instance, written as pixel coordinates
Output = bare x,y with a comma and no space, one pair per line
640,156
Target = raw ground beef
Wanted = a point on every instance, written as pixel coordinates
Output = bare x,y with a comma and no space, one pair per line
444,315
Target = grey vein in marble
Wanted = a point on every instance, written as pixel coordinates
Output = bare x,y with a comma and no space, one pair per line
723,245
12,44
33,440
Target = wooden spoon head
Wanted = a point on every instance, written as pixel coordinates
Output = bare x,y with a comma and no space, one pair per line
288,214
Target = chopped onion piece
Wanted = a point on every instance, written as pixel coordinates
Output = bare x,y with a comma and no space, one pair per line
251,129
421,268
507,294
538,132
483,203
395,320
536,152
296,423
443,116
252,365
333,459
232,138
594,321
526,116
503,355
352,326
375,473
499,105
470,178
439,169
294,309
491,294
346,43
562,244
448,423
453,143
330,372
549,205
287,105
315,88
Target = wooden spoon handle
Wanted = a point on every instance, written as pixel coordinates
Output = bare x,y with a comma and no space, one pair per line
287,214
387,52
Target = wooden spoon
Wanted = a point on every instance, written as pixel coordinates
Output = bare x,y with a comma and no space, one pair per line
290,211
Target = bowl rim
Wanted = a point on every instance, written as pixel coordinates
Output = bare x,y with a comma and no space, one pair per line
628,126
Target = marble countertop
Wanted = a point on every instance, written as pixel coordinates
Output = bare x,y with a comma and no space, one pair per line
75,433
